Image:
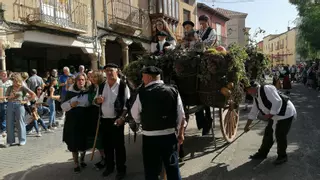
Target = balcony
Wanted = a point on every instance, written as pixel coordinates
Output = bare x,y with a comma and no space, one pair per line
221,40
65,15
164,8
124,16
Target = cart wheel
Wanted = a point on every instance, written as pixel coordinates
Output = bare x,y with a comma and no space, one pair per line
229,119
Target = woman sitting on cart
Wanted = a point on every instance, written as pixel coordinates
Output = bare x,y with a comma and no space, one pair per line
161,25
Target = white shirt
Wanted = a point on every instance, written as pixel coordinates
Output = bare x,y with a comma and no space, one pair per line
110,96
161,43
83,100
5,86
137,109
275,99
211,38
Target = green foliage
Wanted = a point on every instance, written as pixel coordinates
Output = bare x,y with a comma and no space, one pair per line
308,43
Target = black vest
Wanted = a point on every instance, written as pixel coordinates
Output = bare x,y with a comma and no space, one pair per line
268,104
120,100
206,34
159,107
166,44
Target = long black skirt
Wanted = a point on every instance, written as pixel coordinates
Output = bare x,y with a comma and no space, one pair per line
75,129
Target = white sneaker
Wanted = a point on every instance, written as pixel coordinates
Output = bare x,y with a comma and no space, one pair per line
30,132
38,135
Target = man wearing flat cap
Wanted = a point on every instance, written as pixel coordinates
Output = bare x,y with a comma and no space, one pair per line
112,97
158,108
190,35
279,111
207,34
162,44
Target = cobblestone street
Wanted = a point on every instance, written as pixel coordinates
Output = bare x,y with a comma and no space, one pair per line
47,158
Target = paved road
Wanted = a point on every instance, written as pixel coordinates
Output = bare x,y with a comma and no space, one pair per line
46,157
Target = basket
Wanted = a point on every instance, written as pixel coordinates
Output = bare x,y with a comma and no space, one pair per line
187,86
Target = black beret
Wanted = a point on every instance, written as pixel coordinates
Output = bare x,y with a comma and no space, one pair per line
162,33
111,65
188,22
152,70
203,18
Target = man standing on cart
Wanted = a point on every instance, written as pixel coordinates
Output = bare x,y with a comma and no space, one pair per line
209,37
159,109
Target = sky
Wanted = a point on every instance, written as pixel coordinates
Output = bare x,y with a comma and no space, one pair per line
273,16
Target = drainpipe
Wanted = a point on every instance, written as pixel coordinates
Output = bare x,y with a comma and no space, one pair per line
105,8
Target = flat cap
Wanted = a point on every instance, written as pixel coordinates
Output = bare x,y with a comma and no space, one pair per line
111,65
188,22
162,33
152,70
204,18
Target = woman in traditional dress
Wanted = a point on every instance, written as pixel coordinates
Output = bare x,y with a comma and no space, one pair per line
75,127
162,25
286,79
96,78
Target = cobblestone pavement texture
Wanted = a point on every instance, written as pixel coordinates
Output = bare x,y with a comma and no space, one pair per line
46,157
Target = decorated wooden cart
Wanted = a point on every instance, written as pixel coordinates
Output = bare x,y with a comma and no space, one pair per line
204,77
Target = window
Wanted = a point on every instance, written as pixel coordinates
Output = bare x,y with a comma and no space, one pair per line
218,30
186,15
165,7
173,10
152,6
177,9
160,9
170,8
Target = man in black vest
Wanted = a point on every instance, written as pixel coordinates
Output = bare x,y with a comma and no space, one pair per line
279,111
112,97
159,109
208,37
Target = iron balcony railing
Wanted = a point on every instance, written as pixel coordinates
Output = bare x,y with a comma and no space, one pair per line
64,14
125,14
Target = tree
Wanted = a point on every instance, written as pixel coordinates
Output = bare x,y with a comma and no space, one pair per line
308,43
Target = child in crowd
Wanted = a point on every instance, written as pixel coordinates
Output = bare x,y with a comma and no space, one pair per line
34,120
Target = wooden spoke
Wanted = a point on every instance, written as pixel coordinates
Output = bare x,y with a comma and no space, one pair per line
229,120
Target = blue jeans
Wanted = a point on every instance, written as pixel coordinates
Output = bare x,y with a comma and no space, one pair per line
16,113
3,109
43,110
35,125
52,116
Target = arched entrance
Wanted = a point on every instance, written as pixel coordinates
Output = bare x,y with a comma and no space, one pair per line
135,50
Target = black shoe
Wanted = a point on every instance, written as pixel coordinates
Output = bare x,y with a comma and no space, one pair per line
258,156
120,175
83,164
76,170
100,165
280,160
107,172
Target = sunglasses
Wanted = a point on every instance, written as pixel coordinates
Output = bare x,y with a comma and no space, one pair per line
39,89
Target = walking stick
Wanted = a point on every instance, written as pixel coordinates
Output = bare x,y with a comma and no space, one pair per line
96,136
